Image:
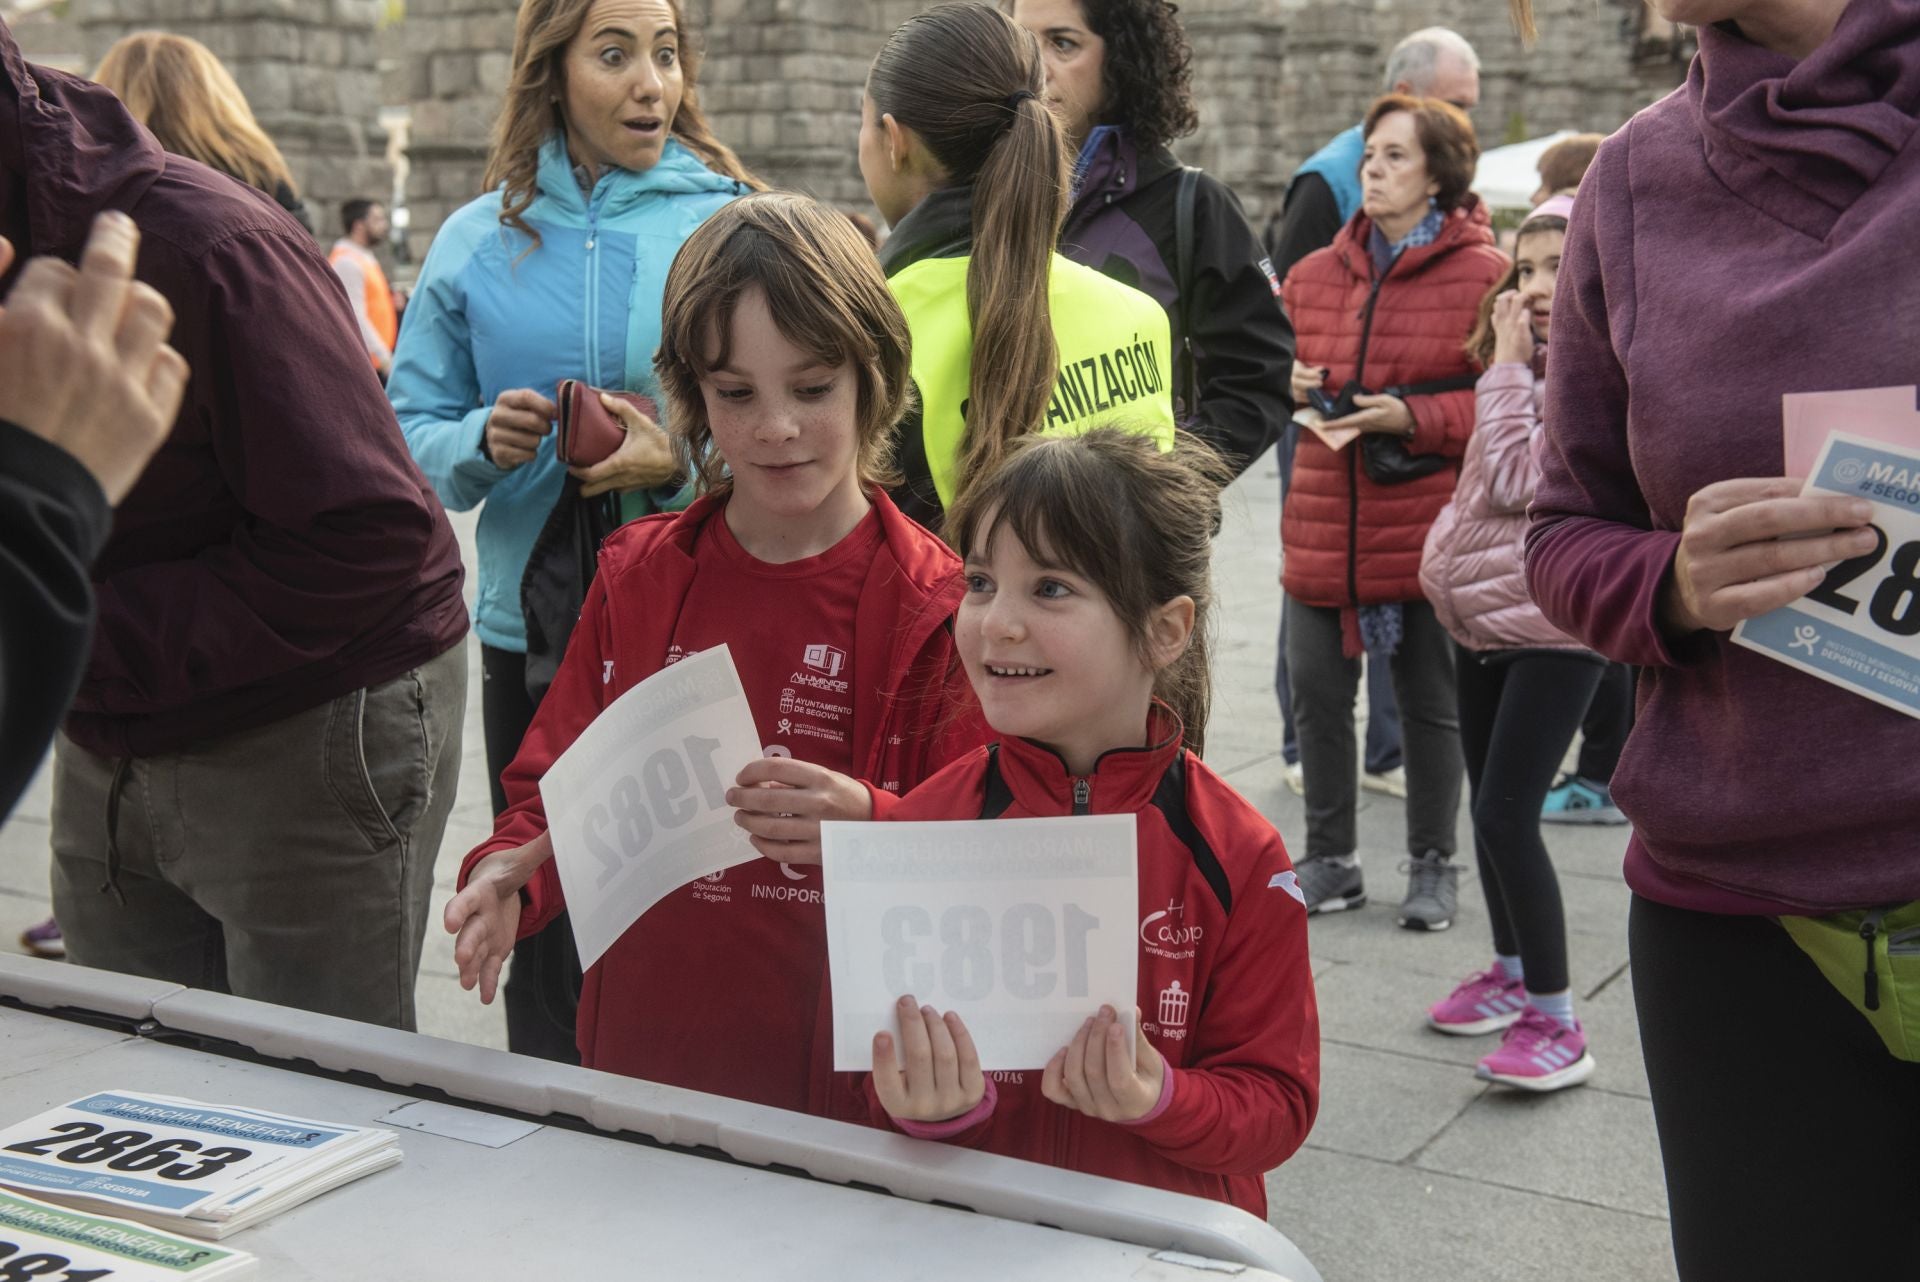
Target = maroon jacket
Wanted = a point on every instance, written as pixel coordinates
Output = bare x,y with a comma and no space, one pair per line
1347,540
282,548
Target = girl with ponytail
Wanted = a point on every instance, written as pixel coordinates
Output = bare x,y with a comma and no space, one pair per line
965,160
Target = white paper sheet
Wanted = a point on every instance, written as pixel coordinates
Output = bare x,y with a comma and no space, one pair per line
1025,927
637,806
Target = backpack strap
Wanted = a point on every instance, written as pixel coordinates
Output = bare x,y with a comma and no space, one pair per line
1186,376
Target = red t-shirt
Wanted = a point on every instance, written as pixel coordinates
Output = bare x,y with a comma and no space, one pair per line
721,944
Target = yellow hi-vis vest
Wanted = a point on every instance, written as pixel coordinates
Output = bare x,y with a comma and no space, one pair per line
1115,359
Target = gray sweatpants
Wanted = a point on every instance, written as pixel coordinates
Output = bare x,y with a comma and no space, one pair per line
1324,684
292,863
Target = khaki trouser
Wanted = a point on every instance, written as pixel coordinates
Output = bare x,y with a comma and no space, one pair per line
291,863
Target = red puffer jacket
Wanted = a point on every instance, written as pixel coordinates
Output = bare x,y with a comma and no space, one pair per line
1348,541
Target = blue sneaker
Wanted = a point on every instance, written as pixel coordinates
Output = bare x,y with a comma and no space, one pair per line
1580,801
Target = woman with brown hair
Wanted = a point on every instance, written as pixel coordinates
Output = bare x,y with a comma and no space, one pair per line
176,88
1382,316
602,164
963,157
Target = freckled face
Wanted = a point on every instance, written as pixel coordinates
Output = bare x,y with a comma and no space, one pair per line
785,423
623,84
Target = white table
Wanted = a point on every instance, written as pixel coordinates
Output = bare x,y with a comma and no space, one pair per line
596,1191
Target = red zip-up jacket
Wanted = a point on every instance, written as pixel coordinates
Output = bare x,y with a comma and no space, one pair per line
912,713
1347,540
1226,992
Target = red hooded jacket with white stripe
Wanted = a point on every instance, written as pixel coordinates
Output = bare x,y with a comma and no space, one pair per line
912,713
1225,989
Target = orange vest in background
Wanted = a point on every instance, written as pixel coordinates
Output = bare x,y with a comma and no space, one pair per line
377,304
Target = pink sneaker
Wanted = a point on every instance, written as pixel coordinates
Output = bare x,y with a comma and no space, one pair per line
1483,1003
1537,1054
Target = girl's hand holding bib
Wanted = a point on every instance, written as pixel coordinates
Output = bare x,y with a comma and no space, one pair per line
942,1078
1091,1074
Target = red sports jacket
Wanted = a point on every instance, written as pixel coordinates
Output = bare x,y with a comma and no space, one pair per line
913,712
1226,992
1348,541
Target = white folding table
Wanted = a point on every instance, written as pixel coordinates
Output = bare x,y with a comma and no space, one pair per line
618,1178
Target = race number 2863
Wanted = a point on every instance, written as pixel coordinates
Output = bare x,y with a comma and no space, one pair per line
658,797
1030,950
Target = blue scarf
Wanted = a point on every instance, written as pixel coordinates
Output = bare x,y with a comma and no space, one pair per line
1425,232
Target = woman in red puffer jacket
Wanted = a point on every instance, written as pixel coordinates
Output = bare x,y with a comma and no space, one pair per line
1382,315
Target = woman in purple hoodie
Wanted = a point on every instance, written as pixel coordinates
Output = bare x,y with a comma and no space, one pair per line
1751,235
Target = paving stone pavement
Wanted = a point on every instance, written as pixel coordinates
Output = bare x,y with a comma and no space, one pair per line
1414,1169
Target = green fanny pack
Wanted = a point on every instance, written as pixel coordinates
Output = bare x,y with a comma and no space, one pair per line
1873,958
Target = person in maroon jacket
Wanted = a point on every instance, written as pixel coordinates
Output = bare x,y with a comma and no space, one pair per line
784,359
250,790
1749,236
1087,587
1383,316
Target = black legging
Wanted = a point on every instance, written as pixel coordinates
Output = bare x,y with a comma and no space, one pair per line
542,992
1787,1130
1518,712
1609,719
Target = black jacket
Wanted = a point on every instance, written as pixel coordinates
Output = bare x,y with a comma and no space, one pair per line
53,521
1122,223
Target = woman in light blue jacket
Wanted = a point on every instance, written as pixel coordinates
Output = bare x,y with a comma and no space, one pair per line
602,165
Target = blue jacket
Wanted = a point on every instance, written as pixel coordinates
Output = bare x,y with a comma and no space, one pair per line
1338,163
483,320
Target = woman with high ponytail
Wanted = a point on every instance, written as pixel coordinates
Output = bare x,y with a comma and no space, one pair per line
966,162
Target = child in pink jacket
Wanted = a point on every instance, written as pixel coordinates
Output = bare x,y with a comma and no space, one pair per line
1523,685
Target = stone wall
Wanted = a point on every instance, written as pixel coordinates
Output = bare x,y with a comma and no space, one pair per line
307,68
455,59
782,79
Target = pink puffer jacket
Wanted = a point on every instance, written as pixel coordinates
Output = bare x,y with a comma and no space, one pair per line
1472,567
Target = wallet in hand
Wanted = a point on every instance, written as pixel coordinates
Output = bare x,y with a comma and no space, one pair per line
588,430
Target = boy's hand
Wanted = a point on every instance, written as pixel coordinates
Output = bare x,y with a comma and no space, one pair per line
942,1078
1092,1075
781,802
485,915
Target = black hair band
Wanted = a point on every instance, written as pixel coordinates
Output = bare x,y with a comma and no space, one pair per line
1013,100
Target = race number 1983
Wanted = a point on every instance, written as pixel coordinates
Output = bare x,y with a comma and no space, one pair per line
1024,927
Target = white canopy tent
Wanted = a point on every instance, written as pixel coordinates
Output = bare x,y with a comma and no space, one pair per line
1508,176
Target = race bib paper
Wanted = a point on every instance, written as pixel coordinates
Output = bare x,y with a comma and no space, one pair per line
1024,927
40,1240
638,805
1860,629
156,1153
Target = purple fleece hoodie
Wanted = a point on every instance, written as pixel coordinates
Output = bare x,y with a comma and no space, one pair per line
1755,233
281,549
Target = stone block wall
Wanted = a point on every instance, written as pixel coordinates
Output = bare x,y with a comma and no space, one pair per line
307,68
1274,78
455,59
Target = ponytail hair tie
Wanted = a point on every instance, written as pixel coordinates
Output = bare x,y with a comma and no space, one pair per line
1013,100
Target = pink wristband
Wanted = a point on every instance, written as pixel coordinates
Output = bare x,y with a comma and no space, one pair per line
953,1125
1159,1105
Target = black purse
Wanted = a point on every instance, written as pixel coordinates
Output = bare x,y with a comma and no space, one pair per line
1387,459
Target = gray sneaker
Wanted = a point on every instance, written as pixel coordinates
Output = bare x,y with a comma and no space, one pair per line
1330,886
1433,892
